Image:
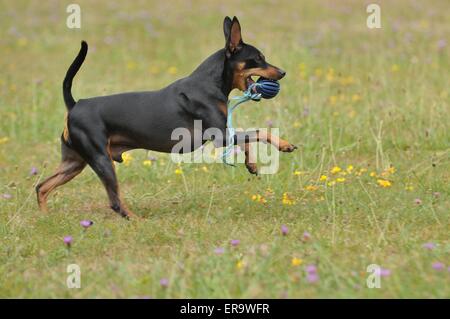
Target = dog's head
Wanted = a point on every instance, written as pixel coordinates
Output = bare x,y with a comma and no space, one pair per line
245,60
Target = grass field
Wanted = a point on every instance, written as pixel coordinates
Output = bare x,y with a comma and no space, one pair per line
369,184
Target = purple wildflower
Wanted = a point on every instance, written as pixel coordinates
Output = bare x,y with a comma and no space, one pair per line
311,274
7,196
438,266
86,223
68,241
219,250
164,282
306,236
311,269
429,246
312,278
284,230
305,111
235,242
33,171
418,201
383,272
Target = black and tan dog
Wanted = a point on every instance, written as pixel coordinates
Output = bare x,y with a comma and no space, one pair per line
99,129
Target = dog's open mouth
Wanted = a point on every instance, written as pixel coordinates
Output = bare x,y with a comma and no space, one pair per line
249,81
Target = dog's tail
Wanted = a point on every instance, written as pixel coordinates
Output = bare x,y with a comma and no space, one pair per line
73,69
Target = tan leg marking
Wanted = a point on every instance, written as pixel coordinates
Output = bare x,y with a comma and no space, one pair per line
280,144
67,170
250,161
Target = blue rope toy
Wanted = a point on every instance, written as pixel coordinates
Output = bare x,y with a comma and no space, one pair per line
263,88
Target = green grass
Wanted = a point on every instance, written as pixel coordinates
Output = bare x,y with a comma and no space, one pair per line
386,103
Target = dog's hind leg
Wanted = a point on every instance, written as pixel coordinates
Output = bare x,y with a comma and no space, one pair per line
97,153
71,165
104,168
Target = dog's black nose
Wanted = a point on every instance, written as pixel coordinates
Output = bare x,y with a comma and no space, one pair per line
282,73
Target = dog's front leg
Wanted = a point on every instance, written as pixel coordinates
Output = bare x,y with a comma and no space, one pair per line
242,138
250,161
246,138
279,143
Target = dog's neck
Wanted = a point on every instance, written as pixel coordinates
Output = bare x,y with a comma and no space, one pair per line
216,71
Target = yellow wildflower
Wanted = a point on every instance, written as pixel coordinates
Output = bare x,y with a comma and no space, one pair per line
361,171
394,68
332,183
240,264
384,183
258,198
349,169
296,261
333,99
205,169
340,180
323,178
356,97
388,171
22,42
153,70
336,170
330,75
373,174
178,171
298,173
147,163
172,70
318,72
287,200
311,188
127,158
4,140
131,65
346,80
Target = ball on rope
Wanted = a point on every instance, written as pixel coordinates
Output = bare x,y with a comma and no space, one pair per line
267,88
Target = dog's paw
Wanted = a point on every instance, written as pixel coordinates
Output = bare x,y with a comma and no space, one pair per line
288,148
252,168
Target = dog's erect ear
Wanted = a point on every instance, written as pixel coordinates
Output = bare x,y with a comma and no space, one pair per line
226,28
233,35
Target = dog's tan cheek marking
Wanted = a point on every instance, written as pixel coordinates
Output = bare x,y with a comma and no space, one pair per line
223,108
272,72
239,77
269,73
